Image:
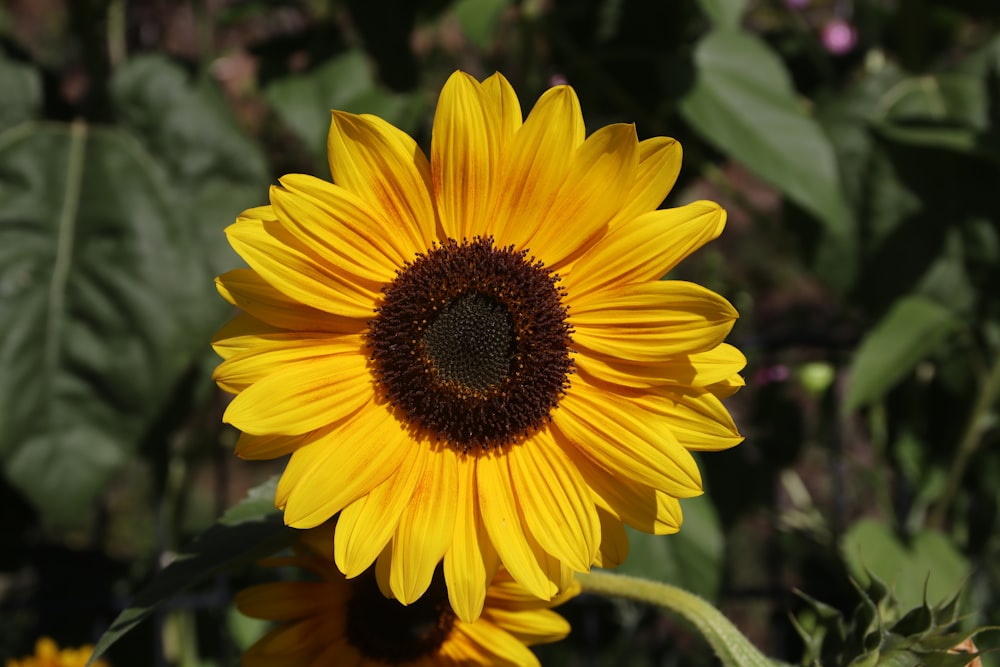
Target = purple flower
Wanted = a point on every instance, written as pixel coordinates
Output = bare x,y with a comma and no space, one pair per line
839,36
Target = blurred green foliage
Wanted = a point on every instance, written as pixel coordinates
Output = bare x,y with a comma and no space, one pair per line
863,252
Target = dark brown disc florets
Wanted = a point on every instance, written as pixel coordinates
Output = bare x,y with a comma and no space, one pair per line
385,630
471,342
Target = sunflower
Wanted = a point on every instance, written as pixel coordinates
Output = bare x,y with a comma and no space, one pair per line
332,620
48,654
472,357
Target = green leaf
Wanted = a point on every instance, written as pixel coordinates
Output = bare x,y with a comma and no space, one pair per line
906,335
98,309
743,103
724,13
213,170
691,558
479,19
250,530
930,559
243,629
949,109
304,101
22,92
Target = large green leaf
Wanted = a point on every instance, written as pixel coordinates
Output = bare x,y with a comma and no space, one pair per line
212,168
743,103
724,13
22,92
692,558
930,559
905,336
109,240
96,268
250,530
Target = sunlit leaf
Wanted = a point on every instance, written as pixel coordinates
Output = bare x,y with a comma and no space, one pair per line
743,103
929,559
907,335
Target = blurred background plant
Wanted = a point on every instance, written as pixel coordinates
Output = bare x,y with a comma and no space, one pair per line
856,146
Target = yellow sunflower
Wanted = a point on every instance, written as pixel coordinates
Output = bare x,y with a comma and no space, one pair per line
337,621
472,358
48,654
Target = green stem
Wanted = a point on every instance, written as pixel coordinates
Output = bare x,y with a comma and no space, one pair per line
117,44
971,439
729,644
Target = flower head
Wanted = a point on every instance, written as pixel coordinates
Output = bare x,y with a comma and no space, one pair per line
839,36
332,620
48,654
472,357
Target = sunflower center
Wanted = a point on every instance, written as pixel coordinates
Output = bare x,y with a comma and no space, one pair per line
385,630
471,343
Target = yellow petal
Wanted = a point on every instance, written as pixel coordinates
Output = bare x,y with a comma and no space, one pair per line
281,601
600,175
252,365
460,651
535,164
336,651
319,541
465,153
502,648
632,502
366,525
505,593
345,467
623,440
471,561
701,369
503,525
538,626
668,511
555,501
645,248
338,226
289,640
659,166
426,526
383,568
385,168
614,541
698,419
263,447
508,109
298,272
302,396
727,387
652,322
245,332
247,290
556,571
